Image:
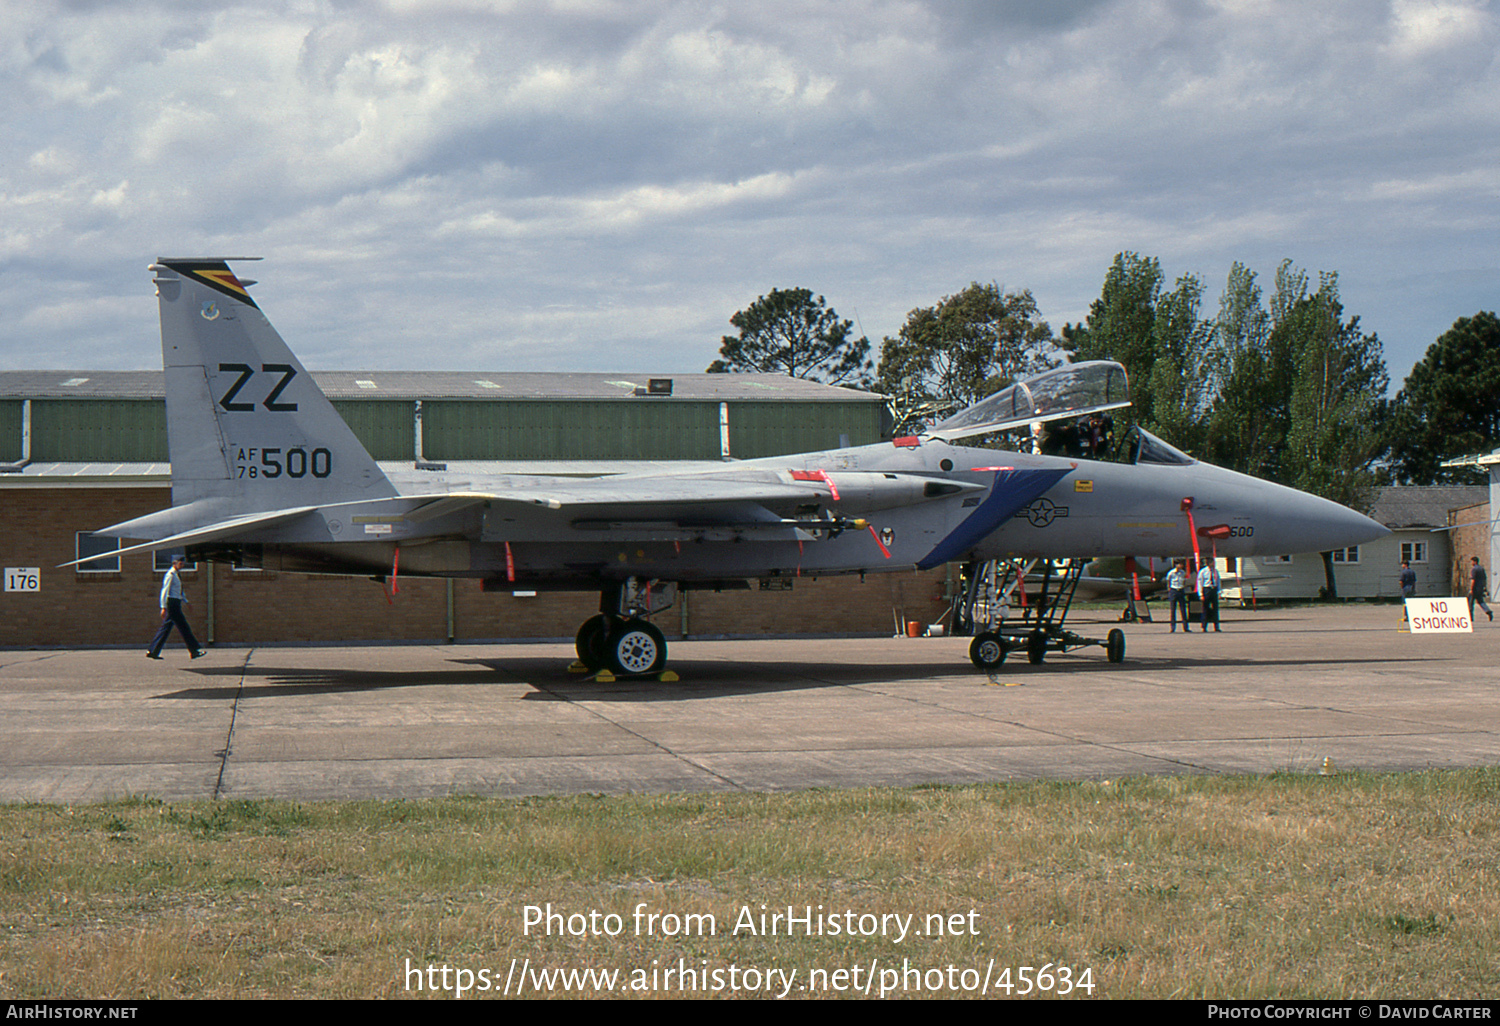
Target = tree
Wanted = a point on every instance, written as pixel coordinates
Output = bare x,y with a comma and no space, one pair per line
969,345
1311,384
1449,405
1294,394
1253,370
1333,432
791,332
1162,341
1298,391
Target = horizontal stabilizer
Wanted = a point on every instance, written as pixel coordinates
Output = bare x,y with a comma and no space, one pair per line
220,531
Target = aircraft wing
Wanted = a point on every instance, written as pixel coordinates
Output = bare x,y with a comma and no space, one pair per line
1095,589
749,498
656,504
640,494
1242,581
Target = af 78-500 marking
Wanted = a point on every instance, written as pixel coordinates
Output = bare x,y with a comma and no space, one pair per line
296,463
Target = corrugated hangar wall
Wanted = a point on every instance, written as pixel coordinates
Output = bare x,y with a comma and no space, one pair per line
135,430
92,430
10,430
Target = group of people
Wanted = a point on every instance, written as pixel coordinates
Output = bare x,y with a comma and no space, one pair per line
1479,586
1208,590
1208,594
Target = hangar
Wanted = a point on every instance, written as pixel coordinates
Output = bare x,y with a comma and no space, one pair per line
82,449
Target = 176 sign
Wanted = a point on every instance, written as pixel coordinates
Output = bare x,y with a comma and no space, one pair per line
23,578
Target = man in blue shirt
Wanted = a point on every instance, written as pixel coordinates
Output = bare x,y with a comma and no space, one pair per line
1479,586
172,599
1208,594
1177,595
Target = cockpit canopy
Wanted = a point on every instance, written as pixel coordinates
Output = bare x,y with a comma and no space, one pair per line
1073,390
1141,446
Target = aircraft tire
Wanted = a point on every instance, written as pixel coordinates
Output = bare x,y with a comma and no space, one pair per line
1114,645
590,642
987,650
635,648
1036,647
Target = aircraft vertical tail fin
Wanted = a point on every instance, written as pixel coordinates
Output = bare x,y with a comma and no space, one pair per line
246,423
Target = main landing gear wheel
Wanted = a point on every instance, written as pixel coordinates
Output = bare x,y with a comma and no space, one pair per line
1114,645
590,642
635,647
987,650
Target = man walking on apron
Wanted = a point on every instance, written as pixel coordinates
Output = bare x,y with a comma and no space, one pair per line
171,613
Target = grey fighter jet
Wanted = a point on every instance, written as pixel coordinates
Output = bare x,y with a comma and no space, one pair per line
266,473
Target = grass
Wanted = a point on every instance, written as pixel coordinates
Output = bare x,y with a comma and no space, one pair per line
1348,886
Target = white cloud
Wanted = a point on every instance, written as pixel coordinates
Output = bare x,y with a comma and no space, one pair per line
529,177
1420,27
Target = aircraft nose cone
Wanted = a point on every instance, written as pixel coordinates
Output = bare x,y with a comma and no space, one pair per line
1287,521
1309,523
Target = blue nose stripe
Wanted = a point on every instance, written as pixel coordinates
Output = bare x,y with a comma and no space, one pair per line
1012,490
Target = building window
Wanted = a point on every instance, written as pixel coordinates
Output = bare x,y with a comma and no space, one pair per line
1349,555
161,562
86,544
1269,560
1413,552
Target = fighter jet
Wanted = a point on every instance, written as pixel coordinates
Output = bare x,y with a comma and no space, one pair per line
265,473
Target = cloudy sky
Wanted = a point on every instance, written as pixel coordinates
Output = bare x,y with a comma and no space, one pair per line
599,184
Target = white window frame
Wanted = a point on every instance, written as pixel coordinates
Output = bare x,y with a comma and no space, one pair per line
1410,550
1349,555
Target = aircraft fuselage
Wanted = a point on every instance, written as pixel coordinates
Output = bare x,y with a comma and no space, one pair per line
1095,508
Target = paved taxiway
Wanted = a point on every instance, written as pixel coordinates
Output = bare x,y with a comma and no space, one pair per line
1278,690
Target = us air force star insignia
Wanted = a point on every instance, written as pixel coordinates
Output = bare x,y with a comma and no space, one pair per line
210,311
1042,512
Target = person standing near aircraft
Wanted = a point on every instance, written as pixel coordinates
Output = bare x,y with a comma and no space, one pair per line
1177,595
172,599
1208,593
1479,586
1409,587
